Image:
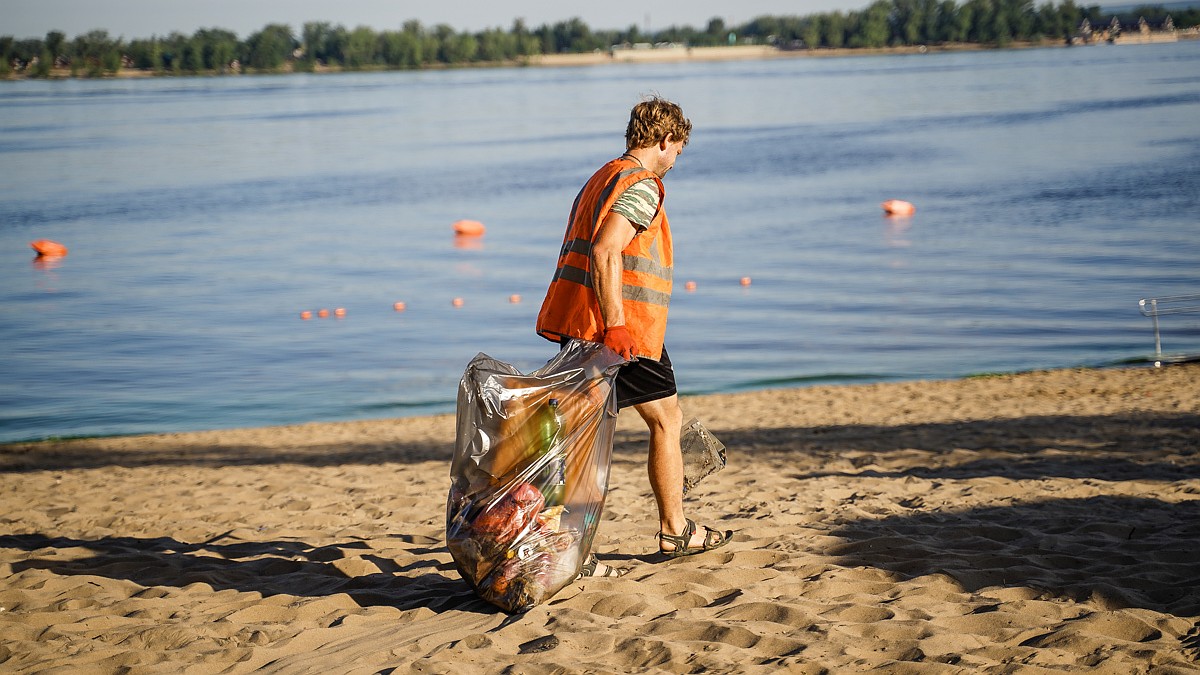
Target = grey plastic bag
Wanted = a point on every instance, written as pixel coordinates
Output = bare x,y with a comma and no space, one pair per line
703,454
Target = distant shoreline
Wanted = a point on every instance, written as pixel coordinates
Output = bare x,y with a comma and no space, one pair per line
678,54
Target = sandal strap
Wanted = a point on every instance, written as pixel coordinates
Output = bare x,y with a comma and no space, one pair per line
682,540
593,563
615,571
713,538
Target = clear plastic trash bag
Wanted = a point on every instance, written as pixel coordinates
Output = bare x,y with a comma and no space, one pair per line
530,472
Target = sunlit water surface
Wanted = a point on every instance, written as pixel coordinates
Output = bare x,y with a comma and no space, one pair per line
1054,188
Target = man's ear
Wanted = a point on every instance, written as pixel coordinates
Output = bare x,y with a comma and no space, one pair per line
662,145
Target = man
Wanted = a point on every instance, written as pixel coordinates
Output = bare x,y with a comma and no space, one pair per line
613,285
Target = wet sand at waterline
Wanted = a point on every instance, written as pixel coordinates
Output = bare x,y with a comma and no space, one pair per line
1038,522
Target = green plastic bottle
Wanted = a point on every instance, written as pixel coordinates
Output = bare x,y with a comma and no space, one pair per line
551,479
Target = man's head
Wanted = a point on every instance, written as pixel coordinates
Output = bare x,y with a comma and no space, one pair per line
656,120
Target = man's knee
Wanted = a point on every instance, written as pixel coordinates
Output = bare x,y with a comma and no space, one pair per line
664,414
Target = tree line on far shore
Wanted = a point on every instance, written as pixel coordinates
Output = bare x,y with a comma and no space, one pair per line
884,23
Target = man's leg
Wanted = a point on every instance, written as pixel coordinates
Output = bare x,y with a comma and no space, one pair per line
664,418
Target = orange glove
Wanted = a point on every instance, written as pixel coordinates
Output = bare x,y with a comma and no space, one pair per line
617,338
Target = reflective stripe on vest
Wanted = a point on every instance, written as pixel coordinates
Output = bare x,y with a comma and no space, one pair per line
631,263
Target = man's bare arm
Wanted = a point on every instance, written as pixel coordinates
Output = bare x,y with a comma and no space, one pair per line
615,234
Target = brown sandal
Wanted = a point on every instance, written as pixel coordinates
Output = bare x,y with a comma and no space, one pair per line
712,539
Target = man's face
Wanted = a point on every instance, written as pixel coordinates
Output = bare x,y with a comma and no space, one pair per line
668,155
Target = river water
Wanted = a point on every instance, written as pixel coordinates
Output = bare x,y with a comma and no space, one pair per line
1054,188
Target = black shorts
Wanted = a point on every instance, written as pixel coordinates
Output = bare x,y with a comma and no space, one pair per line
643,380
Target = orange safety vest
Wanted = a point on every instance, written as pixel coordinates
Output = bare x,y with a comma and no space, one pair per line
571,308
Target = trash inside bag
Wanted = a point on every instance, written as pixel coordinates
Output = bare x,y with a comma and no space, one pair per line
530,472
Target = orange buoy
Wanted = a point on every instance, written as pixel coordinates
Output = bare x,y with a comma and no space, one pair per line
399,306
898,207
690,286
514,298
323,313
745,281
469,228
306,315
457,302
50,249
339,312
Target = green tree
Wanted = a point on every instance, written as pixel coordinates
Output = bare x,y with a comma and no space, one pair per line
26,50
455,48
1021,15
571,36
833,30
526,43
1070,16
315,38
414,50
964,18
42,65
947,22
6,45
810,32
1002,32
931,11
215,48
338,45
56,44
98,52
497,45
111,60
683,35
762,27
873,29
155,55
1047,22
792,29
906,20
716,33
980,13
192,60
390,48
174,47
139,51
270,48
360,48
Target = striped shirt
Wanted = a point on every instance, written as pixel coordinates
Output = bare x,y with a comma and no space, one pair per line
639,203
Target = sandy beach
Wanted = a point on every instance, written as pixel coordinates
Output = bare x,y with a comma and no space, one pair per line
1033,523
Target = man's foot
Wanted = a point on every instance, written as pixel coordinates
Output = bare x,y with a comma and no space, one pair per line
595,568
681,544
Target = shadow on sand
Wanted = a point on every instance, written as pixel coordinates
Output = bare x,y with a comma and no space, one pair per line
1118,551
1149,446
266,567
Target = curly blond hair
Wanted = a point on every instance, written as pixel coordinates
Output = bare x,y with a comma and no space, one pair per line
653,120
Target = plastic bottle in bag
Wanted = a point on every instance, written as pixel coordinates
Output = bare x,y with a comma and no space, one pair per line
552,477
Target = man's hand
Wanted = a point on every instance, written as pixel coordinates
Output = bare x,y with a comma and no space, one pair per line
617,338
